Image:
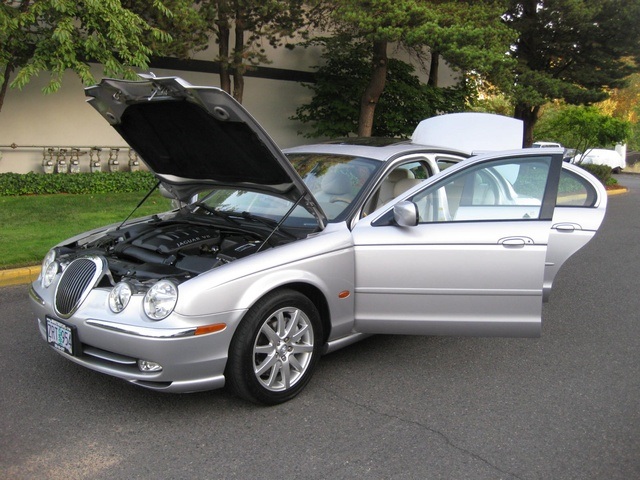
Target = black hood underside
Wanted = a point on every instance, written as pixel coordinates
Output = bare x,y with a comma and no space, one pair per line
198,138
179,138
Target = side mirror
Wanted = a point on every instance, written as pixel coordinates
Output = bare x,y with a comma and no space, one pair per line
406,214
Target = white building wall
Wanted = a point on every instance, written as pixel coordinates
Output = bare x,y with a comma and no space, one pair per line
32,122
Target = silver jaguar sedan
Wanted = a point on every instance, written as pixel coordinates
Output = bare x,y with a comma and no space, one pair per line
276,258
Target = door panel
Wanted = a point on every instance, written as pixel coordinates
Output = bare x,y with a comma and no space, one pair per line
476,274
581,205
450,284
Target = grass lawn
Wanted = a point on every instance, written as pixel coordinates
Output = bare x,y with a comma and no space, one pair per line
31,225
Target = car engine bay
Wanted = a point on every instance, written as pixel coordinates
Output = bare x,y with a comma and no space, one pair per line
175,248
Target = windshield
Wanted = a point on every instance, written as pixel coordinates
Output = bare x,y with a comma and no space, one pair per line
336,181
236,205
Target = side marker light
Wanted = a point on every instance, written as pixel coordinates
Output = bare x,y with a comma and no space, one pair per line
216,327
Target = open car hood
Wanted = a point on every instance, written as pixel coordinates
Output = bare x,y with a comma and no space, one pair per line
192,137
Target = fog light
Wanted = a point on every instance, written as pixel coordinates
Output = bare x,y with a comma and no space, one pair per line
147,366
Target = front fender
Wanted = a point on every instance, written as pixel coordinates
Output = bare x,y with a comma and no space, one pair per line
325,261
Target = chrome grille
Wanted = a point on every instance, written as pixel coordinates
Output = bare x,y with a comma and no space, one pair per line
76,282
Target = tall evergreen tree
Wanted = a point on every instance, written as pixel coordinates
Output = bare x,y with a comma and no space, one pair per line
468,34
344,74
243,29
574,50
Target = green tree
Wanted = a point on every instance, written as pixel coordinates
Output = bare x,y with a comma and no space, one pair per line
572,50
335,106
186,23
624,103
468,34
254,25
55,35
582,127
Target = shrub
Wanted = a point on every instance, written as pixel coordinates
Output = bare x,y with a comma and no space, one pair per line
334,108
601,172
12,184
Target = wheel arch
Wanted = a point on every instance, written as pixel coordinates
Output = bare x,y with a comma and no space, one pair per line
315,295
259,368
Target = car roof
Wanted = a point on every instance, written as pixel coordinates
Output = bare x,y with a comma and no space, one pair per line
376,148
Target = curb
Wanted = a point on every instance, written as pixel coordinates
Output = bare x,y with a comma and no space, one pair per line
21,276
617,191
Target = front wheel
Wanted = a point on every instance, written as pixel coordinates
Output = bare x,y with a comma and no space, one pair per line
275,348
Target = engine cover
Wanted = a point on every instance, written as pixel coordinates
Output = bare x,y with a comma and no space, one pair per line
171,238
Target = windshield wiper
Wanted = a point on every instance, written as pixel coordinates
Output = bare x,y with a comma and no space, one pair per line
267,222
218,213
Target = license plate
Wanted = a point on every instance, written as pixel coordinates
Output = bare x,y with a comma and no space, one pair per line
60,336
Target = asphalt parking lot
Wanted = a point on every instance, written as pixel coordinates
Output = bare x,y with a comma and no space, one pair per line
564,406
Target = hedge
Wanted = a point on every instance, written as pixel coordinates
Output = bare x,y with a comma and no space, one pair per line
601,172
12,184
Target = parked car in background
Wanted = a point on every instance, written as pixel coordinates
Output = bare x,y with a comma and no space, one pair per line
601,156
546,145
571,155
276,258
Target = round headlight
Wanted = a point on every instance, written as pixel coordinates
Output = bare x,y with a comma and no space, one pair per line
160,300
49,274
119,297
48,260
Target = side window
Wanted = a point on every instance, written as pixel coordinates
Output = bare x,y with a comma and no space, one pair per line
446,162
575,191
396,182
510,189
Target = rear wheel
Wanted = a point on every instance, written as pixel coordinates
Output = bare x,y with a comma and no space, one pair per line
275,348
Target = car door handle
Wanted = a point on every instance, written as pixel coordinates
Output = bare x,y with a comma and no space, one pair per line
515,242
565,227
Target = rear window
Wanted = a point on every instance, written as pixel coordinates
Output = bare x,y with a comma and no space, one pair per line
575,191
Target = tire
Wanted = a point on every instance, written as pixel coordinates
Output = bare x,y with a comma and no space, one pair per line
275,349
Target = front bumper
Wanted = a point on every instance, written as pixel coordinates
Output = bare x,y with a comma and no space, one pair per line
113,343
